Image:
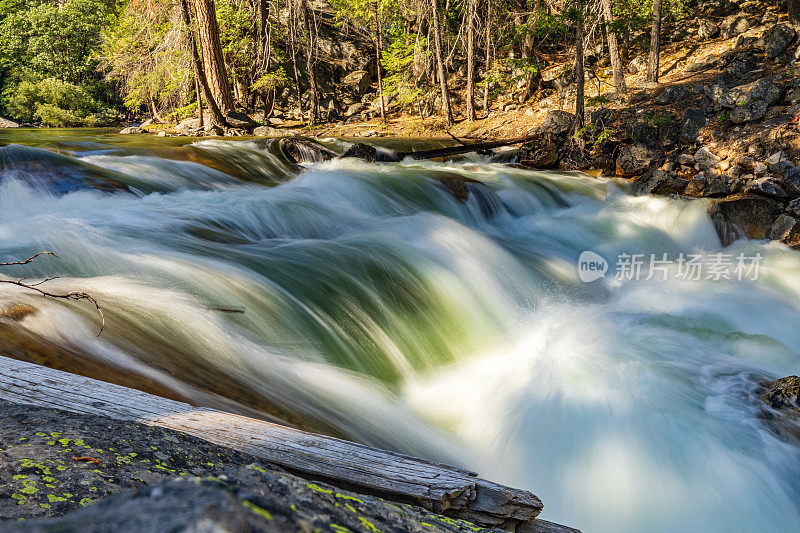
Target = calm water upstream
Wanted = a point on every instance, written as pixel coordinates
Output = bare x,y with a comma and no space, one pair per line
379,306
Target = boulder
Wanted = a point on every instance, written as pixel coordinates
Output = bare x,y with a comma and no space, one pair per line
716,188
778,39
637,65
787,230
239,121
304,150
707,29
557,123
540,153
794,207
5,123
661,182
733,26
743,215
358,82
355,109
783,394
706,158
671,95
132,130
696,186
753,104
692,122
361,151
636,159
190,126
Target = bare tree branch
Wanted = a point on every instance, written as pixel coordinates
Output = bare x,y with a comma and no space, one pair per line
74,295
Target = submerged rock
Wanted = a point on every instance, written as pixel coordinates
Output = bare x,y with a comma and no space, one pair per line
53,172
783,394
300,151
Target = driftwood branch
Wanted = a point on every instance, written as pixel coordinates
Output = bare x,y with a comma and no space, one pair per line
440,488
74,295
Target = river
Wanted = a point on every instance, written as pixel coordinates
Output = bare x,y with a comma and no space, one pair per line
369,301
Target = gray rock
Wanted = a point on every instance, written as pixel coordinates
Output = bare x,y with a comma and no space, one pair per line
359,82
661,182
637,65
540,153
794,207
768,186
743,216
238,120
132,130
778,39
269,131
636,159
716,188
783,394
706,158
188,126
692,122
707,29
783,226
670,95
557,123
791,184
733,26
355,109
5,123
753,105
697,185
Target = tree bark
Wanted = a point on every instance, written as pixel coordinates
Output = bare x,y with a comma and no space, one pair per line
613,49
378,47
211,52
579,74
440,67
310,60
655,43
471,60
199,74
793,10
488,63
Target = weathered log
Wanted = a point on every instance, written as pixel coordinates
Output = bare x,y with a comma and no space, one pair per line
440,488
465,148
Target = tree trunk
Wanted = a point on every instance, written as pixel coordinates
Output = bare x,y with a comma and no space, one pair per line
199,103
471,60
199,74
488,63
211,51
794,12
613,49
378,47
440,67
532,79
579,74
310,60
655,43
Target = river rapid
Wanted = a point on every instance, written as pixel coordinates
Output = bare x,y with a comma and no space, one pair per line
370,301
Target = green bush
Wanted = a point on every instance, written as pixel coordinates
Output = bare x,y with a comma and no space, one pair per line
54,103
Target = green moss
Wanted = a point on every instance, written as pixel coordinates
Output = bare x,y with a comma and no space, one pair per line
339,529
20,476
45,505
86,501
41,434
51,443
64,442
53,498
347,497
369,526
260,511
317,488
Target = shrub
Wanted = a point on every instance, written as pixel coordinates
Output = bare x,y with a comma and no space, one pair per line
54,103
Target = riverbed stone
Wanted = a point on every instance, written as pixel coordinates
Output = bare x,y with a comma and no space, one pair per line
744,215
132,130
6,123
636,159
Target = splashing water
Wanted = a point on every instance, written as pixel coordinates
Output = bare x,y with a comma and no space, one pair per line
381,307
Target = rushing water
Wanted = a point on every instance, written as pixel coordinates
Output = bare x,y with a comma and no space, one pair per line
380,307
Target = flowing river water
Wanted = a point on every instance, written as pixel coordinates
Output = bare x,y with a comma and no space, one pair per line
370,301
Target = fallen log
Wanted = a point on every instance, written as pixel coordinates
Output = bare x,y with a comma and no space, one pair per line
440,488
465,148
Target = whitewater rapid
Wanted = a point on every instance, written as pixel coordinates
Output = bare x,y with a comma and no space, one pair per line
378,306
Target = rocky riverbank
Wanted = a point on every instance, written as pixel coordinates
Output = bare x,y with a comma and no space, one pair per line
69,472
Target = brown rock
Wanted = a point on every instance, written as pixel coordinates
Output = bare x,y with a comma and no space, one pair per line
743,216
